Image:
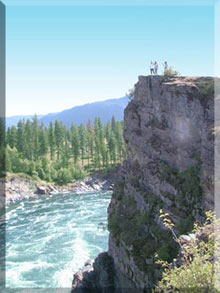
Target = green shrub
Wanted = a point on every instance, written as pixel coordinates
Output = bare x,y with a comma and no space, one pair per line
187,183
164,252
185,225
77,173
32,168
5,161
144,217
114,226
130,93
200,268
119,189
170,72
206,88
40,172
63,176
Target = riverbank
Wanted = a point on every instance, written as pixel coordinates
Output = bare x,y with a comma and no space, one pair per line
19,186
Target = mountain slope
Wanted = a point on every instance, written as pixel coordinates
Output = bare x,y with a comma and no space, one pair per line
13,120
80,114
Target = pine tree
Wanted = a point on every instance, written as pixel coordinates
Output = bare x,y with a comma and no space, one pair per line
8,136
35,132
97,154
20,137
12,136
103,147
7,161
65,154
58,138
112,148
28,143
2,161
43,142
83,141
90,134
51,140
108,131
118,132
44,164
75,143
113,123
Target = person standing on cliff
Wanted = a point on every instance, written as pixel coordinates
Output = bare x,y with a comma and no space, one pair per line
151,68
155,67
165,65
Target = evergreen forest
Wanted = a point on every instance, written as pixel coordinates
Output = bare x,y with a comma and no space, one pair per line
59,154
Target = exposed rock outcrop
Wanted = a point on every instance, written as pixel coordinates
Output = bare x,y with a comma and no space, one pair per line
17,186
97,277
168,130
96,182
41,190
169,134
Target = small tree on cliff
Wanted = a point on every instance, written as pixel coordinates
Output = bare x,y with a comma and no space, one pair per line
199,267
130,94
170,72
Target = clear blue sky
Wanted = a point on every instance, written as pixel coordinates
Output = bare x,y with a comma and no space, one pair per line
62,56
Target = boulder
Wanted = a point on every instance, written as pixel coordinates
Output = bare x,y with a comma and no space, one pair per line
97,278
41,190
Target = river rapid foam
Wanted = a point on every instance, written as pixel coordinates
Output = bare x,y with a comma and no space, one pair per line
50,237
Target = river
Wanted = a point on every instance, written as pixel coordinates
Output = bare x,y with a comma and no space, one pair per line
49,237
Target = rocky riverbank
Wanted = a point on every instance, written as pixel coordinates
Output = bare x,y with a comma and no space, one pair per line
16,186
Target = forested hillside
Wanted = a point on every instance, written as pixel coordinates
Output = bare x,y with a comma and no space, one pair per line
60,154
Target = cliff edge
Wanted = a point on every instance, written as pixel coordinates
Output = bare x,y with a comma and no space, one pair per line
168,130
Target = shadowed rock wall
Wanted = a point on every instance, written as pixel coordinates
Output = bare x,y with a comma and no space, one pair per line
168,129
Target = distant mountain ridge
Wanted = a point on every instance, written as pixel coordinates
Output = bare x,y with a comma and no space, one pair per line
13,120
80,114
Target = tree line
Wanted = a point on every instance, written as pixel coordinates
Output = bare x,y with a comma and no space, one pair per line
60,154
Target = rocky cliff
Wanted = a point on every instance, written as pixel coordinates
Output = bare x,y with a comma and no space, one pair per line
168,129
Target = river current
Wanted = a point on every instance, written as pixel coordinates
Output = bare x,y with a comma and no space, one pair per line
49,238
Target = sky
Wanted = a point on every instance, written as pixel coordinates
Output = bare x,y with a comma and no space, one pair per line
60,56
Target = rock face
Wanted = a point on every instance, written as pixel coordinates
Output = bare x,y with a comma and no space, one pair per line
41,190
168,129
97,278
16,188
96,182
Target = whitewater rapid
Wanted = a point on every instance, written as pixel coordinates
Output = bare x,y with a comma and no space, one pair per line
50,237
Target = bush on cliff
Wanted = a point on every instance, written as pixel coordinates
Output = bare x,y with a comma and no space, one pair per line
170,72
130,93
206,89
198,267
